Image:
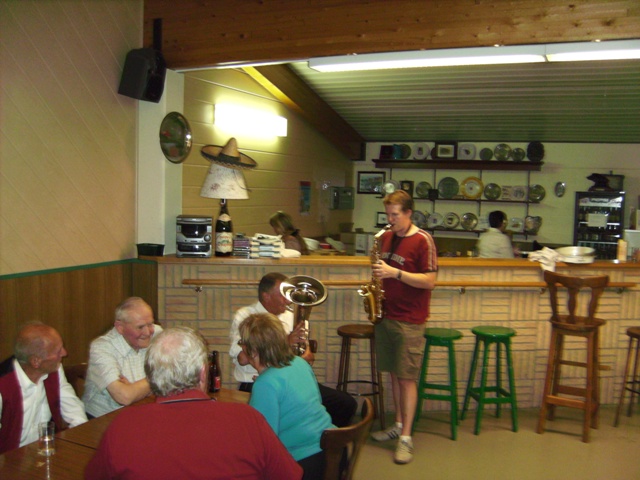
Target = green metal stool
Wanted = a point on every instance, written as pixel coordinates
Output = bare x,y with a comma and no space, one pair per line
488,335
439,337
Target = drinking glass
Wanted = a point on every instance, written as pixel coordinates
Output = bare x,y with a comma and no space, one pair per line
46,438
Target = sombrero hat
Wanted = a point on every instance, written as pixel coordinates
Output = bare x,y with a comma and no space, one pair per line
228,156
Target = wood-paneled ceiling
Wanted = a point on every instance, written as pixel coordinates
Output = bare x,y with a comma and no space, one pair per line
580,102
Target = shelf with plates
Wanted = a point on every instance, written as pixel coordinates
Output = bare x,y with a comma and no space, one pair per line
452,164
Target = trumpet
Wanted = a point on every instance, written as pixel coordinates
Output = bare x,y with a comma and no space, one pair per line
304,293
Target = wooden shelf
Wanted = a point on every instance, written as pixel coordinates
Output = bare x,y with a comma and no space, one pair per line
460,165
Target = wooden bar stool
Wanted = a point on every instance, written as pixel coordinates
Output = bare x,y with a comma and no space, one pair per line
631,384
352,332
439,337
572,325
486,336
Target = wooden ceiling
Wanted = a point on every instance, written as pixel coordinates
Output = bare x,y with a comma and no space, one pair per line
518,103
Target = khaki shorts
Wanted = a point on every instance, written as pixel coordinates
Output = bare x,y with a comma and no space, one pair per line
399,348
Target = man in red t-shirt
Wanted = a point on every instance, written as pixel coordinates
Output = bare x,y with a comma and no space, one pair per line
408,267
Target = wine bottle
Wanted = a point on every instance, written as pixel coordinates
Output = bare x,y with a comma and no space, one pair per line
224,232
214,372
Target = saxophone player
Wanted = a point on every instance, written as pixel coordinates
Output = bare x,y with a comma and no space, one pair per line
407,267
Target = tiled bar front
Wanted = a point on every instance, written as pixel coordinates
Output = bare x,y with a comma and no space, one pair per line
209,308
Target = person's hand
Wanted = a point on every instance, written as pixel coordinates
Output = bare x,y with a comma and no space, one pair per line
124,380
382,270
308,356
298,334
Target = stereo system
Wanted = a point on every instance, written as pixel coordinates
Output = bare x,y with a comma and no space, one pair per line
193,236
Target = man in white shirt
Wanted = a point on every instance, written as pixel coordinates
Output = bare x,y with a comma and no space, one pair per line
495,243
340,405
115,375
34,389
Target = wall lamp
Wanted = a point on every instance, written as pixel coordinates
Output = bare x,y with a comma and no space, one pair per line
238,119
613,50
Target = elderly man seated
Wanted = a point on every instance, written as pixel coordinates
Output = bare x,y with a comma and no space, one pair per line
115,375
33,388
185,434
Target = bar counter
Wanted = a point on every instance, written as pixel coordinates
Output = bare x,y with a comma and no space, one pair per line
204,294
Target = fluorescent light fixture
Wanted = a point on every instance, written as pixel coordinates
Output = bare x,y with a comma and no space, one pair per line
584,51
237,119
430,58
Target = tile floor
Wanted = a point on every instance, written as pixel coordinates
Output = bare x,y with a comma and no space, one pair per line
498,453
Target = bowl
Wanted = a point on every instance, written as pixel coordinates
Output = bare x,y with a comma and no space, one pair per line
311,243
576,251
150,249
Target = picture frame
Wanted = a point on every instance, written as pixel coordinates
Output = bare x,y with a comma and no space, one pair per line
371,182
407,186
381,219
445,150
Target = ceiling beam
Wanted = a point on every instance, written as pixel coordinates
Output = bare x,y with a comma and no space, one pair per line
287,87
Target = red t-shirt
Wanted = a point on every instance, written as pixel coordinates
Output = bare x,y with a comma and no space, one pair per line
415,253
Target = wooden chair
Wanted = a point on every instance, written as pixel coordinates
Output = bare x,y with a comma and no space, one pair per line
586,398
342,445
76,375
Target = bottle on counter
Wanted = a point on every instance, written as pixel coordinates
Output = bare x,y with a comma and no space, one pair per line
622,250
214,372
224,232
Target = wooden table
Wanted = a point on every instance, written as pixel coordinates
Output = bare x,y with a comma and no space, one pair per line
75,447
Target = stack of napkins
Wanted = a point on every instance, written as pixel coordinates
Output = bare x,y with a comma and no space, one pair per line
266,246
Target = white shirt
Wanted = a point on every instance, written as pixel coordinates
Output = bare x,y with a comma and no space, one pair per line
110,356
246,373
36,407
495,244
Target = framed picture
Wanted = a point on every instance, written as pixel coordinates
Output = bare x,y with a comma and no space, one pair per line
407,186
381,219
370,182
445,150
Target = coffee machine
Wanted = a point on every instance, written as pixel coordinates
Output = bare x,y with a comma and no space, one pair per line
193,236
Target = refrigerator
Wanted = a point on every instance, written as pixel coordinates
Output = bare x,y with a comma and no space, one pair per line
599,222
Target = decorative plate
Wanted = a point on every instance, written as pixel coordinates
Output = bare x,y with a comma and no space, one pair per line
502,152
519,193
469,221
422,189
451,220
175,137
435,220
390,187
486,154
536,193
492,191
532,224
406,151
448,187
419,219
516,224
421,151
518,154
471,188
466,151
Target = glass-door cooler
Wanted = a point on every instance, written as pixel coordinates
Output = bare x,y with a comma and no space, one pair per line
599,222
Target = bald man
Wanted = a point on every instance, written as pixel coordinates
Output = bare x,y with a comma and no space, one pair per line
34,389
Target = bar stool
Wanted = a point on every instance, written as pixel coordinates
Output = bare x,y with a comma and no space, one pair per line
572,325
349,333
633,384
500,336
439,337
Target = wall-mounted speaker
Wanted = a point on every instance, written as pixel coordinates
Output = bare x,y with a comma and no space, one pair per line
143,75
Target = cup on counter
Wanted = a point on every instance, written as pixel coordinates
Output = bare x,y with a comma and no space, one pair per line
46,438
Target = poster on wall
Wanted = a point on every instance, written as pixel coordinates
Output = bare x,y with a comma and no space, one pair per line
305,198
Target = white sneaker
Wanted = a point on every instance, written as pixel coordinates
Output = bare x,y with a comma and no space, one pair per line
388,434
404,451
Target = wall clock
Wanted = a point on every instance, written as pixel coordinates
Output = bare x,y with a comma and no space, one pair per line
175,137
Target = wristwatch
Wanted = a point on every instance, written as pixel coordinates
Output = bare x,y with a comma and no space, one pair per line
399,276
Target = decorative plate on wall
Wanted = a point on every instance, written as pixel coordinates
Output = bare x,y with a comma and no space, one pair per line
448,187
421,151
422,189
469,221
175,137
471,188
466,151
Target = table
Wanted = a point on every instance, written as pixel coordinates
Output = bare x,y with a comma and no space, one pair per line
75,446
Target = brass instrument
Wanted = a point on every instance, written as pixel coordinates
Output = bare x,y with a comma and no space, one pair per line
304,293
372,292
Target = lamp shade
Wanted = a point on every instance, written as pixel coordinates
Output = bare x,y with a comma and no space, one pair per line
223,182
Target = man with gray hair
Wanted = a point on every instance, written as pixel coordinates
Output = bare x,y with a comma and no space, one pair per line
34,389
115,375
190,435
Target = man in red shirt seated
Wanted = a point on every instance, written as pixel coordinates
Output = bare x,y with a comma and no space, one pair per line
185,434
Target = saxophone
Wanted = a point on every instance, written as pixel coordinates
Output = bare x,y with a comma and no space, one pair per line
372,292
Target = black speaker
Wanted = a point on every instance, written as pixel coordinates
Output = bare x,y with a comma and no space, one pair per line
143,75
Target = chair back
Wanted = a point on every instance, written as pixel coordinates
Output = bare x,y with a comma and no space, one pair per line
347,441
76,375
573,285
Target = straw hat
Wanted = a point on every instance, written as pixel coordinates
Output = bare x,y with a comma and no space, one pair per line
228,156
